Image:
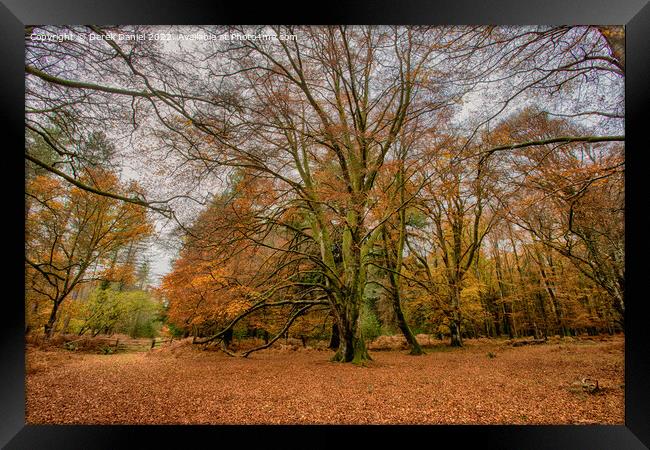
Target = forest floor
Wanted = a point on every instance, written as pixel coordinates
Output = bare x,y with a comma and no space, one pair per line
487,382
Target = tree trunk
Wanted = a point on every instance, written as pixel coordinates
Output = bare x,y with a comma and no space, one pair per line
49,326
393,257
542,311
619,303
352,346
556,308
414,345
335,338
505,324
227,337
454,323
394,262
456,338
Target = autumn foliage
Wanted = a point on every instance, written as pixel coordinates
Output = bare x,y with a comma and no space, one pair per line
72,238
358,181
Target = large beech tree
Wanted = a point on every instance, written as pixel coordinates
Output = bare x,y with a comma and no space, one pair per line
318,117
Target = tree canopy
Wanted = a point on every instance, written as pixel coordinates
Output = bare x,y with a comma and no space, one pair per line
456,180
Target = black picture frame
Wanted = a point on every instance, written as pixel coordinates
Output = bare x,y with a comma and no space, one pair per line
15,14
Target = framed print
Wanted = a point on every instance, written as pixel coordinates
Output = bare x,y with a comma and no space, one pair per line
260,222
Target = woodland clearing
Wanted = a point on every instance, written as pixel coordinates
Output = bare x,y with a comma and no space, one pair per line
486,382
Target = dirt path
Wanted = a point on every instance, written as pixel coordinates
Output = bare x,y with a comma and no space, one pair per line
524,385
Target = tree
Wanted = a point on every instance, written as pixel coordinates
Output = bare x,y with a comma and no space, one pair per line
334,138
457,202
577,190
399,191
70,234
107,310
